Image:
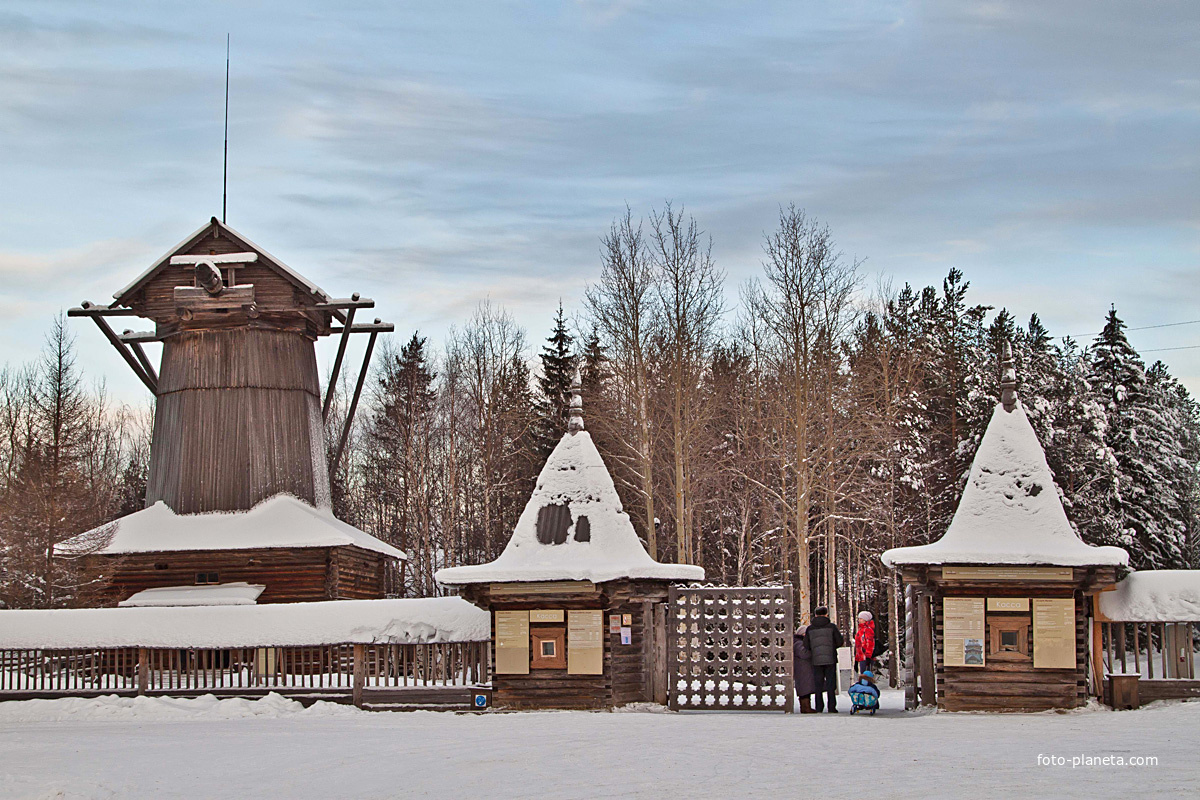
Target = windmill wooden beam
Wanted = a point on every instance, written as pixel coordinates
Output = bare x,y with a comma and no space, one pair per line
140,366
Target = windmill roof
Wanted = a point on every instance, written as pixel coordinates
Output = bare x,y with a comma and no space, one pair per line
279,521
579,507
1010,512
266,258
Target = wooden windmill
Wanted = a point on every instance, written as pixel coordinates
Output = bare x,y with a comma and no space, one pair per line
239,415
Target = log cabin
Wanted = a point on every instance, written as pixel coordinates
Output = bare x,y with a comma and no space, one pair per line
997,609
578,607
238,481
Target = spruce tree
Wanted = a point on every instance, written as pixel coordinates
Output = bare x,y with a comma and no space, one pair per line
554,384
1144,501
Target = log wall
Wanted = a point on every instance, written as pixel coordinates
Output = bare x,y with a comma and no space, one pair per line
291,575
1010,685
627,668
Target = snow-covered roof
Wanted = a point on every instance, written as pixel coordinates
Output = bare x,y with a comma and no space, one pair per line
238,593
274,263
596,540
423,620
1010,512
279,521
1162,595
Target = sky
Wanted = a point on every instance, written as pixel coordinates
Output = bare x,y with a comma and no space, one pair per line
434,155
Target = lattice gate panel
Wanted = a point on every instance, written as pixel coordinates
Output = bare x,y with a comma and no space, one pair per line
730,648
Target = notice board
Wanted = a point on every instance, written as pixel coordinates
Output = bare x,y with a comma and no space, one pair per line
585,642
512,642
962,640
1054,634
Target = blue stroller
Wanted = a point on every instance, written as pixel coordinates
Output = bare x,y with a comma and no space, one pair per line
864,695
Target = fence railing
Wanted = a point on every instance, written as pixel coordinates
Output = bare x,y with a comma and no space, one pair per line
349,667
1154,650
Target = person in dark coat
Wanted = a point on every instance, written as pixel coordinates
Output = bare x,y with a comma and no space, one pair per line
823,640
802,671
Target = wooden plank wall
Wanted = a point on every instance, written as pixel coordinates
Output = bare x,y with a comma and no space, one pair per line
238,420
627,674
291,575
279,301
551,688
1011,685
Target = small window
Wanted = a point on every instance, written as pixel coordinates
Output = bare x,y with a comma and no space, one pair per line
1008,641
548,649
205,578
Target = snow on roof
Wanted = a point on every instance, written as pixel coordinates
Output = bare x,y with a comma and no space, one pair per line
424,620
279,521
1162,595
596,540
267,258
238,593
1010,512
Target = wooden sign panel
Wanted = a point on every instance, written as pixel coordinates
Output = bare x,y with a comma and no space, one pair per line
512,642
1008,604
585,642
1014,573
543,587
546,615
1054,634
962,640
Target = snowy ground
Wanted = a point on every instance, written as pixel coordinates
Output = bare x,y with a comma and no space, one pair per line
203,748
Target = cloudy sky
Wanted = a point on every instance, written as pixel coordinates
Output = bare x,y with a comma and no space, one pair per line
431,155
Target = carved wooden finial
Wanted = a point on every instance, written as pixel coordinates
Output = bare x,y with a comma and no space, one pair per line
575,413
1008,379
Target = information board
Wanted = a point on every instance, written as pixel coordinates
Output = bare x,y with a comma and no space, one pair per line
1054,634
962,623
512,642
585,642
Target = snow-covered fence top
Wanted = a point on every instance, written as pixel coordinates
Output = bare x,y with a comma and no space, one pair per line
1165,595
409,621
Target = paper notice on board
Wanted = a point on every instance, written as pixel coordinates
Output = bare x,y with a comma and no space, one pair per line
1054,634
626,635
962,638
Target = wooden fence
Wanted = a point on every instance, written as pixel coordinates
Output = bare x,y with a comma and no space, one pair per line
730,648
1163,654
341,669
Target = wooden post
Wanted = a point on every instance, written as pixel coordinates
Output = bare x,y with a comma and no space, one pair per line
910,673
360,673
1097,649
143,679
928,693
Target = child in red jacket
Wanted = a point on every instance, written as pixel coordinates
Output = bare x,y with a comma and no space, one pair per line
864,642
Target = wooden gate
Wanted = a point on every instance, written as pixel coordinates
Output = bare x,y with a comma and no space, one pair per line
730,648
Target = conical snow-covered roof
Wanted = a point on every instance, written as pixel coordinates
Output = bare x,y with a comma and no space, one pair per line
1010,512
573,527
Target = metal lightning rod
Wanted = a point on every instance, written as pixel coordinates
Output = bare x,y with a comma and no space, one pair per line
225,167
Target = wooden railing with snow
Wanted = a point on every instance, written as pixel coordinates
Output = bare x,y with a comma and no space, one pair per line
354,669
1154,650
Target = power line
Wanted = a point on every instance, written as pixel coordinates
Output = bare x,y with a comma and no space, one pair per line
1163,349
1142,328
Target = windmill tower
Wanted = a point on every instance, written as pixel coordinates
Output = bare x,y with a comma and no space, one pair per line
239,415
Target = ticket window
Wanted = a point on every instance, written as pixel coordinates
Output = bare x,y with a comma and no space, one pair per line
1008,638
548,647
